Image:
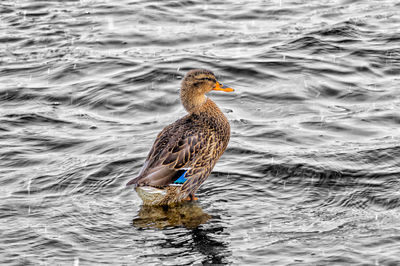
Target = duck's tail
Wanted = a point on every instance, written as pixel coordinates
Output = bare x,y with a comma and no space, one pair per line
133,181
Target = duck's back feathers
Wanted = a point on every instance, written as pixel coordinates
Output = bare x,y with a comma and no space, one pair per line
174,149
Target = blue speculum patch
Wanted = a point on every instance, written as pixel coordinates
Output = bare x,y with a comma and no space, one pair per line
181,179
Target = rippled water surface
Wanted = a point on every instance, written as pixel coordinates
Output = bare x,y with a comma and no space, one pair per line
312,172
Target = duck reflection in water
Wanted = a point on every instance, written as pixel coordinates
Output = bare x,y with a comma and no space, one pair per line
186,214
205,240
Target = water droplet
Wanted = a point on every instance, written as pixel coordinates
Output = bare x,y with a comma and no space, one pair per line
76,261
110,21
29,186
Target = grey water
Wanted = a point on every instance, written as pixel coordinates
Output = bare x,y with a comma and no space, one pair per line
311,175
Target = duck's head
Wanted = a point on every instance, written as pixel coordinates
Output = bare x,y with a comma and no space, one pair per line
195,85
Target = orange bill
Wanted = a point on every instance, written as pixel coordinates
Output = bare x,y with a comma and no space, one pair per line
220,87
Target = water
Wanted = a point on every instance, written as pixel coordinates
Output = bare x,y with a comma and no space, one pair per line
311,174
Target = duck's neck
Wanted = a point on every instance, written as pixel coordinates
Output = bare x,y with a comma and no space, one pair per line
209,109
193,102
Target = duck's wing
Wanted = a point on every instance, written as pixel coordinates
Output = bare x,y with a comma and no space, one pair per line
176,146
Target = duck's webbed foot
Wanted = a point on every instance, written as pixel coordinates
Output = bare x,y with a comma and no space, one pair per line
191,197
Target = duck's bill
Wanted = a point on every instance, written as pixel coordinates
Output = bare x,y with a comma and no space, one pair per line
220,87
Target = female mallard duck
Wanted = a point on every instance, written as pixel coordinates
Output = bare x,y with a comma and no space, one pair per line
185,152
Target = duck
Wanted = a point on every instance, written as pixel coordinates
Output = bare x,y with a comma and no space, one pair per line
185,152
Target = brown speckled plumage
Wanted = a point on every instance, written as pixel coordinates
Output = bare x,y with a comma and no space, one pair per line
193,143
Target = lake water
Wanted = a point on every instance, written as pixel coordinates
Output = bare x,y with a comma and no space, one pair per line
312,172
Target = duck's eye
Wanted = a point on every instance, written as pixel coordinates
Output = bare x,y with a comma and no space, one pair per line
196,84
